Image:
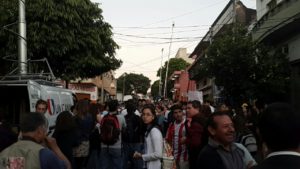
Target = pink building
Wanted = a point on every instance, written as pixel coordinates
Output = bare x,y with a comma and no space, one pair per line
182,85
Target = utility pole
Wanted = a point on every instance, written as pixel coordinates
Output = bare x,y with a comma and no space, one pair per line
102,89
22,44
160,84
123,93
166,77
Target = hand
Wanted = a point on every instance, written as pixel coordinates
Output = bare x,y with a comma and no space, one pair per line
137,155
250,165
51,143
182,140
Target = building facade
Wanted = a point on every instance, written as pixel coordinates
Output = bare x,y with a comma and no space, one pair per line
182,53
278,25
98,89
234,12
182,85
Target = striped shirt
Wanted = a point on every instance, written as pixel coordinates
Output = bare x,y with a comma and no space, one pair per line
175,133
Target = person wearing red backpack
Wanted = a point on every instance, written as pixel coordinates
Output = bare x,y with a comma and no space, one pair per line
111,127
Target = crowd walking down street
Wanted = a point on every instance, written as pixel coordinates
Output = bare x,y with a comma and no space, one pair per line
192,139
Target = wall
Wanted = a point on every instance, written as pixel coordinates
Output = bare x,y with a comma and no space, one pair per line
293,48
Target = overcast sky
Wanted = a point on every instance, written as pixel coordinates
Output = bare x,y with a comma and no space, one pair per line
143,27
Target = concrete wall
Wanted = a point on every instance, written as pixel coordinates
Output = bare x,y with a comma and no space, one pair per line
262,7
293,48
182,53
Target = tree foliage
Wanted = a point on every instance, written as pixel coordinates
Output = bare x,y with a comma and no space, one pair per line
133,82
71,34
174,65
245,69
155,89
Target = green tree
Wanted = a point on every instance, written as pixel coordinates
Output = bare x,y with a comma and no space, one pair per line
175,64
155,88
243,68
272,74
133,82
71,34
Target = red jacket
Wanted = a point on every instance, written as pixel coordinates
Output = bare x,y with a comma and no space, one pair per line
195,134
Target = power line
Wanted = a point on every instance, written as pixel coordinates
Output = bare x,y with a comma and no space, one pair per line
165,33
162,42
172,18
159,57
184,14
148,37
158,27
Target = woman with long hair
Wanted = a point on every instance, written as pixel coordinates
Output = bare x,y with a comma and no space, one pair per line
153,141
66,135
85,126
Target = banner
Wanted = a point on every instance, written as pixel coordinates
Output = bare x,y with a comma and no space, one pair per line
195,95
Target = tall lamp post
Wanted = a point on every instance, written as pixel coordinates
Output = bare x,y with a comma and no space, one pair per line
124,79
160,78
166,77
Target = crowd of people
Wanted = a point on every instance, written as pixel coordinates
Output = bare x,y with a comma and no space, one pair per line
134,135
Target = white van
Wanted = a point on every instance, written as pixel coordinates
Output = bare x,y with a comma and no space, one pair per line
18,97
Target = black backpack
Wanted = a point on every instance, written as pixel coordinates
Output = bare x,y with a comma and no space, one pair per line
110,129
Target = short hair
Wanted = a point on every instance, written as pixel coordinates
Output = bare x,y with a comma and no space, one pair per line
130,106
113,105
279,126
195,103
32,121
211,119
205,110
40,101
176,106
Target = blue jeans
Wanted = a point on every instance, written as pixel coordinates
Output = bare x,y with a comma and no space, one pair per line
128,161
111,158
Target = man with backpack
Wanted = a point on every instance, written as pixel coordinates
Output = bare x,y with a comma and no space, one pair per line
111,127
132,137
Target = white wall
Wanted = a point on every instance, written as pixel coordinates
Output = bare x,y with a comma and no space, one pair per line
261,8
294,50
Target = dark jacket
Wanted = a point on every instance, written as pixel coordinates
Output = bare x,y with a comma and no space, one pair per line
209,159
280,162
194,139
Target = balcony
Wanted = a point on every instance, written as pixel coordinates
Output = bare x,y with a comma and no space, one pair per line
279,23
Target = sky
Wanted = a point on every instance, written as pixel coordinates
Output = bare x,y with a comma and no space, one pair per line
142,28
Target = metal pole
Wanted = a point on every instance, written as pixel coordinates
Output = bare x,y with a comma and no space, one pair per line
160,85
124,78
102,89
166,77
22,45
